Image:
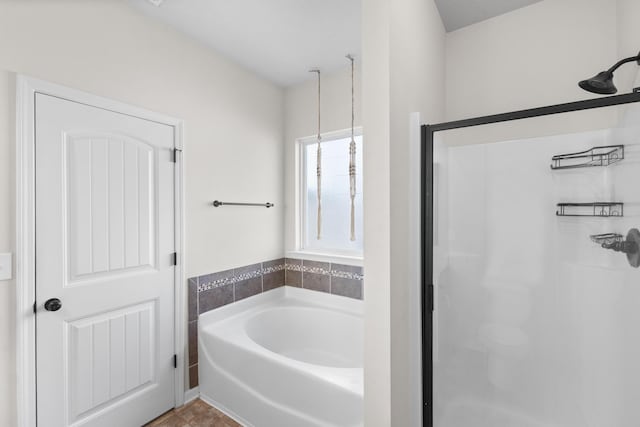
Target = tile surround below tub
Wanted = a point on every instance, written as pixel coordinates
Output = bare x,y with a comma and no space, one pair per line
214,280
293,272
225,287
247,288
272,280
212,298
316,281
347,271
316,267
345,287
273,266
193,343
338,279
247,272
193,298
193,376
214,290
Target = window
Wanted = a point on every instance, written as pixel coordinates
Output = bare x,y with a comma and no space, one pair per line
336,201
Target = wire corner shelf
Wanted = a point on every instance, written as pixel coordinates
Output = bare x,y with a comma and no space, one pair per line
594,157
596,209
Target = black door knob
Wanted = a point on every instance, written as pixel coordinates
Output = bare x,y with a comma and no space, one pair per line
53,304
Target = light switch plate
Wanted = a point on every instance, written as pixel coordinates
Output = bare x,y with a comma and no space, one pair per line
5,267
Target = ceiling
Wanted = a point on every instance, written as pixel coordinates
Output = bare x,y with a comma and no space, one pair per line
281,40
461,13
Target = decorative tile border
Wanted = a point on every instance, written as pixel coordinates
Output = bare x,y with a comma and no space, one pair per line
333,278
315,270
230,277
347,275
215,284
293,267
273,269
247,276
335,270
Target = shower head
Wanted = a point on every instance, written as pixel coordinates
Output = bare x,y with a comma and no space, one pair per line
602,83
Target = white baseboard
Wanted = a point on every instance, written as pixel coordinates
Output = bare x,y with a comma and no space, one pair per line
226,411
192,394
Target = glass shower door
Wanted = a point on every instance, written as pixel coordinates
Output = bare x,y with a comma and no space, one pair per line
537,297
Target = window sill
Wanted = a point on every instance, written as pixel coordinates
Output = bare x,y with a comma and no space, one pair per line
325,257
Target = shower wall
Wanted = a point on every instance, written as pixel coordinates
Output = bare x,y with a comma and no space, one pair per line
535,325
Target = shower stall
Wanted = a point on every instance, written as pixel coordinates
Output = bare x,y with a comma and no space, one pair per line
531,285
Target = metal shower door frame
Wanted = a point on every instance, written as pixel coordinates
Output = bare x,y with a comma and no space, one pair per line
427,203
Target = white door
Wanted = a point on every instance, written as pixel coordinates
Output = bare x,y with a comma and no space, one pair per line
104,248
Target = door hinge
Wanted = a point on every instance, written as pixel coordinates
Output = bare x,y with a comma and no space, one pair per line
175,361
175,154
174,258
35,307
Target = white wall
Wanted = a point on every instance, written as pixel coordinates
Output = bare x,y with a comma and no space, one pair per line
377,231
534,56
403,73
628,43
539,63
234,127
7,291
301,120
417,53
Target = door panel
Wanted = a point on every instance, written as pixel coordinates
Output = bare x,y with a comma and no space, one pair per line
104,239
111,201
119,346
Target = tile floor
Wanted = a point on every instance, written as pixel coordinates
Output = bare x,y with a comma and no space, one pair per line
194,414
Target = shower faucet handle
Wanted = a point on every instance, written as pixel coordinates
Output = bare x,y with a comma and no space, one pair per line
628,247
616,242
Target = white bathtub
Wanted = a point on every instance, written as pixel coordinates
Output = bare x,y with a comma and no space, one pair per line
287,357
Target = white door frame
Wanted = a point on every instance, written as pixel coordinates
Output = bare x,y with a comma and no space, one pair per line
26,88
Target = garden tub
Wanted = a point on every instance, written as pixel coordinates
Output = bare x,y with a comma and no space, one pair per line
286,357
